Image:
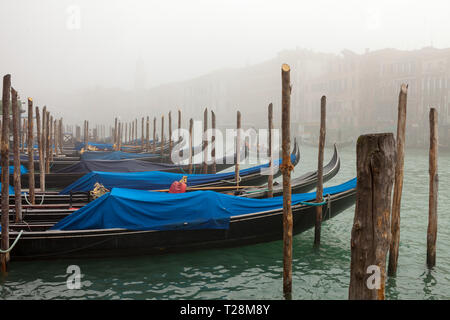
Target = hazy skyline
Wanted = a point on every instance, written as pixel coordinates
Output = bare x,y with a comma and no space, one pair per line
66,46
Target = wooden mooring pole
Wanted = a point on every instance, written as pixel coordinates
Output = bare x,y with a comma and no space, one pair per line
16,152
398,181
120,136
147,134
371,234
433,196
142,136
22,133
4,257
179,125
154,134
205,142
213,142
270,176
319,191
162,136
39,137
191,125
30,147
116,143
170,133
286,168
238,147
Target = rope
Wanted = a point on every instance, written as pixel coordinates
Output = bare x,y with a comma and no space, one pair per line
15,241
232,182
314,204
26,199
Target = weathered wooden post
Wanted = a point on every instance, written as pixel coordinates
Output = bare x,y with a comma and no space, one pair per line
142,136
61,136
52,139
39,137
22,133
286,168
433,196
270,176
191,125
147,135
4,257
51,142
170,133
371,226
179,125
47,142
162,136
238,148
16,152
319,192
154,134
398,182
56,136
30,147
213,142
205,142
136,132
126,133
44,135
116,143
85,134
119,137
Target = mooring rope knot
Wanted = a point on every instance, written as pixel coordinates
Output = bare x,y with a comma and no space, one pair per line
286,167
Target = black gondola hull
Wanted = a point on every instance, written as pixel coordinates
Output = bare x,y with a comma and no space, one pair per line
243,230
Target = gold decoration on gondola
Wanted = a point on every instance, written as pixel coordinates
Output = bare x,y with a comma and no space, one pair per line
98,191
183,180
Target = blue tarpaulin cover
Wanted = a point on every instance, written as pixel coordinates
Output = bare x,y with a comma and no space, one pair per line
144,210
154,180
115,155
11,190
23,170
128,165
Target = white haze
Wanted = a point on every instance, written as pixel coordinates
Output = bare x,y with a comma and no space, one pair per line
181,39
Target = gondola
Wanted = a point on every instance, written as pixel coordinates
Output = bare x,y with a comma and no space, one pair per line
61,179
191,229
301,184
63,164
62,203
157,180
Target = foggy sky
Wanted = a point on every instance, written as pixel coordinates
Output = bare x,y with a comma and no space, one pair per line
180,39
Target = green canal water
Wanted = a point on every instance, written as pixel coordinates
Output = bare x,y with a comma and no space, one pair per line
255,272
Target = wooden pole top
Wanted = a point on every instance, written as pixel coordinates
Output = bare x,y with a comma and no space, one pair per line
285,67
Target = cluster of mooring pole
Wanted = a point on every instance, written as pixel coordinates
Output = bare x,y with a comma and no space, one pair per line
49,141
376,226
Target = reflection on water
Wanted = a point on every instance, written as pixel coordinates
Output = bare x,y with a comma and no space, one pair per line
255,272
